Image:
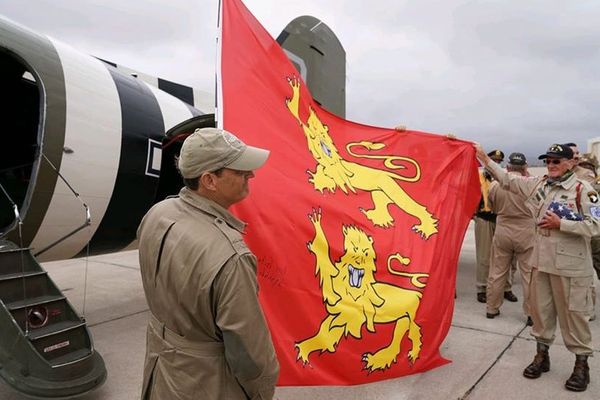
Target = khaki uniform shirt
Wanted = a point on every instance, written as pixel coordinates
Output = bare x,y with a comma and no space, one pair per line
584,174
510,208
565,251
207,337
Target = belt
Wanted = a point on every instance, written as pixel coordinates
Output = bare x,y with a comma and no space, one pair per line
181,343
542,231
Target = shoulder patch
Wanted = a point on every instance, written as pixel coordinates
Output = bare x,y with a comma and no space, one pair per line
593,196
595,211
234,237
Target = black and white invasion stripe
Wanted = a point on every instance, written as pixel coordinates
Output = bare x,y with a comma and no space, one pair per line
103,128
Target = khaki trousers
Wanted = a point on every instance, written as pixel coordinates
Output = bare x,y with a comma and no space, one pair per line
509,244
595,242
484,233
569,299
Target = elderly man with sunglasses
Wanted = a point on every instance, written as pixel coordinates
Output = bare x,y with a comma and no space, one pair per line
207,337
566,211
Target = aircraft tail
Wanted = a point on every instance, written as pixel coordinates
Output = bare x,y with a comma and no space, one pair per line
320,60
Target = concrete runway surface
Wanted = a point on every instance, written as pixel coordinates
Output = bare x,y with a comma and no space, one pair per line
488,355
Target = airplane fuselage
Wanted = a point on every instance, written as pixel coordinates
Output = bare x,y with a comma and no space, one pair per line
92,123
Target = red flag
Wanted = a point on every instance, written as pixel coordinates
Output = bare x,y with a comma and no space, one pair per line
357,229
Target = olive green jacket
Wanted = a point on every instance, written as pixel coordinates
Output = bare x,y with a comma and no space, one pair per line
207,337
565,251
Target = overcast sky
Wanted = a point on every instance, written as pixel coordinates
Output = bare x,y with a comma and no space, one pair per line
513,74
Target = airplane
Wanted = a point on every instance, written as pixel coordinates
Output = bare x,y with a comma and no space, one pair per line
89,146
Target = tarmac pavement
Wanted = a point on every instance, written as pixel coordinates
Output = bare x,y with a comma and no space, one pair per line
488,355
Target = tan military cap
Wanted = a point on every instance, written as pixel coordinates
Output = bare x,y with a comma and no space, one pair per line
210,149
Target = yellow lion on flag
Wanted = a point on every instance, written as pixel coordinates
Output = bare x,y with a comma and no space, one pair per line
353,298
333,171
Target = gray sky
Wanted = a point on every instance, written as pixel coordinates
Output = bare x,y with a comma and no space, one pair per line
513,74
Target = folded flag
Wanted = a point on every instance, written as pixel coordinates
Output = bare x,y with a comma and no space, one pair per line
564,211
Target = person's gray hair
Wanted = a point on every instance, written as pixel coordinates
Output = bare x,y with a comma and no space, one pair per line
516,168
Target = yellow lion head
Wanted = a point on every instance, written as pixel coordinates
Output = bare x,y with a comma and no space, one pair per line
323,150
320,143
354,284
359,255
358,261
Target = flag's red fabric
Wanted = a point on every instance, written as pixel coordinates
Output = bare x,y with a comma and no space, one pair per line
350,295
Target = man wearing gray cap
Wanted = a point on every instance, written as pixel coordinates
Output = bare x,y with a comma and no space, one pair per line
207,337
566,212
513,238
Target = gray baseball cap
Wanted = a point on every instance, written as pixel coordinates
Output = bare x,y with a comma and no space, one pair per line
210,149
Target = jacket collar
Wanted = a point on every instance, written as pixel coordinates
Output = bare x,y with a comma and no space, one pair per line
567,183
211,208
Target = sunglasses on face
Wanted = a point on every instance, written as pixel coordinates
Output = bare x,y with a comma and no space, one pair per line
554,161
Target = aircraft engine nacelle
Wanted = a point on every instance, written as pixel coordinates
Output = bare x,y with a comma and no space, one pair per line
99,126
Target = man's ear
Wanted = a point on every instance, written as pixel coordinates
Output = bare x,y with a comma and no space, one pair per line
208,181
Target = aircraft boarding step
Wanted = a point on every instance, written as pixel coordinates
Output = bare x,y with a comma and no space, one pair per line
45,348
17,275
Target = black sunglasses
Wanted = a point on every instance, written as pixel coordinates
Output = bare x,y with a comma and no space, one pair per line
553,161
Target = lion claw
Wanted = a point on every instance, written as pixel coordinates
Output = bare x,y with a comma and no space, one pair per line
425,230
413,357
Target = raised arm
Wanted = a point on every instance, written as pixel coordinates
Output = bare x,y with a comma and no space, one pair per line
514,183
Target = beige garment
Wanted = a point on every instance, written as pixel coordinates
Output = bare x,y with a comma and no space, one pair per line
584,174
596,254
569,299
484,231
484,234
559,253
207,337
513,239
595,244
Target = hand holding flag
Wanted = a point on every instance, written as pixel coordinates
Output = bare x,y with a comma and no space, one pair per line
564,211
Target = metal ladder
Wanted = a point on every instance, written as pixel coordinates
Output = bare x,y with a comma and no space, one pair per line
46,349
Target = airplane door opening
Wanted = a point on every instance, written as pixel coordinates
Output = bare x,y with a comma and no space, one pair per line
20,105
170,181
